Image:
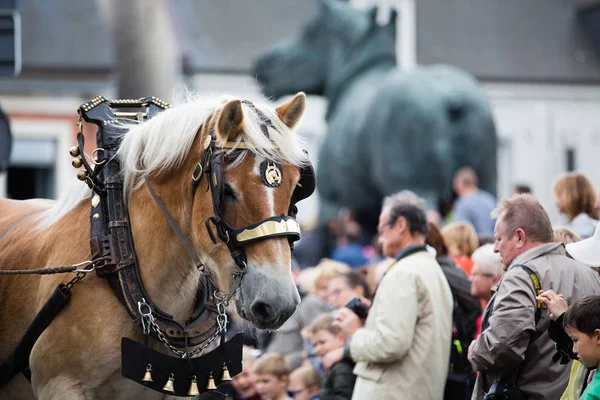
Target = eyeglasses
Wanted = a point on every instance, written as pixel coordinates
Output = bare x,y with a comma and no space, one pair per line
337,292
485,275
380,227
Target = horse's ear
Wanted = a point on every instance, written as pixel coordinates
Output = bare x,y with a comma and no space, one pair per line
231,119
291,112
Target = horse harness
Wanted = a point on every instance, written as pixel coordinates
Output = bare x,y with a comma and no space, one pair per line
114,258
111,241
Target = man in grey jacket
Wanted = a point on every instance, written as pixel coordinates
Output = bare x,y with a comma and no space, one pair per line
514,344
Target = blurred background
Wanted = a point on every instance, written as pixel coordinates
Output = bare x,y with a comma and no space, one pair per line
538,63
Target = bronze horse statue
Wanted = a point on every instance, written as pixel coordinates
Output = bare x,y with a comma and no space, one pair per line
78,356
387,129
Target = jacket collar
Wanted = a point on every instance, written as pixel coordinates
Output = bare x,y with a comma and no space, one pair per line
530,255
538,251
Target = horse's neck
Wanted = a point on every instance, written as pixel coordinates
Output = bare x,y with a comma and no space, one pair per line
166,269
341,87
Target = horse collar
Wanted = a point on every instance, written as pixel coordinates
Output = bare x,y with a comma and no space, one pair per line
111,240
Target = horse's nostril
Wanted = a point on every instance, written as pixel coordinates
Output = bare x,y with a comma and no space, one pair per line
263,312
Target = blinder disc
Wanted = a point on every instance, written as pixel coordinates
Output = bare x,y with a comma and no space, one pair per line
271,173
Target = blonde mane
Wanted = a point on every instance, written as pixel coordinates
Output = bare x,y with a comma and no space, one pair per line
163,142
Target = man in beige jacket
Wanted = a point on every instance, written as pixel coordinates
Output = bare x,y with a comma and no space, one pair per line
514,344
403,350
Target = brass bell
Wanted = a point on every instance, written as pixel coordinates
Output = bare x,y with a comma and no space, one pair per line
77,162
148,374
74,151
82,175
211,383
169,385
194,387
226,377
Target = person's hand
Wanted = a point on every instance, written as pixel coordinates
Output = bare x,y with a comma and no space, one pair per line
366,302
556,303
469,356
306,333
347,321
332,357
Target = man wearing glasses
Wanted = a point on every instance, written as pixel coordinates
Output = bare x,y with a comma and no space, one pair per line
345,286
403,350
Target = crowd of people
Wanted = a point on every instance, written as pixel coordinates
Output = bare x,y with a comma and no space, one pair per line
488,302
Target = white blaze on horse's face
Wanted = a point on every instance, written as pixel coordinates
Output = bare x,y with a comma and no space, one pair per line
267,296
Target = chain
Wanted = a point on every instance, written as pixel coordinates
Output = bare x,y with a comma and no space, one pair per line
77,278
81,273
149,325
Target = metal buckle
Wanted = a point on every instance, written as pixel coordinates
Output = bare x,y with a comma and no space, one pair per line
198,176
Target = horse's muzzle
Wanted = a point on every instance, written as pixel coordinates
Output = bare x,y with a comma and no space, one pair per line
268,299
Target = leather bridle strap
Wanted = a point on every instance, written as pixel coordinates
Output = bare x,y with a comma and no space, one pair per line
237,277
184,241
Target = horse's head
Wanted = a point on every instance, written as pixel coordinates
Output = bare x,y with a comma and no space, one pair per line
336,43
237,170
257,192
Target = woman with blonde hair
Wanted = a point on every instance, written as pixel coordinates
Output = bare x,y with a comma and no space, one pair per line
575,196
325,270
461,239
564,235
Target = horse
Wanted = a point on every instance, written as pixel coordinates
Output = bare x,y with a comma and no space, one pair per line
387,129
78,356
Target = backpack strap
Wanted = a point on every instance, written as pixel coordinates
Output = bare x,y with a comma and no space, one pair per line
537,288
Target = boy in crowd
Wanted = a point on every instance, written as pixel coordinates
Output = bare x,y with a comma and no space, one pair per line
582,324
305,383
327,337
243,383
271,376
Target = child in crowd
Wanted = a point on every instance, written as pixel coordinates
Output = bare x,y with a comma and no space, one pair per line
327,337
305,383
582,324
243,383
271,376
461,239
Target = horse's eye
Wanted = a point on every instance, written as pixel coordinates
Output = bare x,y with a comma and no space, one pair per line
228,192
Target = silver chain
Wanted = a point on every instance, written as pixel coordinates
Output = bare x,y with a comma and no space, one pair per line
149,325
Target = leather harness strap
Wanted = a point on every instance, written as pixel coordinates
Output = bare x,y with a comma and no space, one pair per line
111,237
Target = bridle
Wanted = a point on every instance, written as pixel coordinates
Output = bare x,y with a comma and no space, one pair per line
111,240
212,166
